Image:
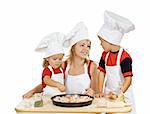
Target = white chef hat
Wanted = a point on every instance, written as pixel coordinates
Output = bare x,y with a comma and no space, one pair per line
114,27
78,33
51,44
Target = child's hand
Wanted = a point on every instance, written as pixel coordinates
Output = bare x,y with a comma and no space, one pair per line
111,95
28,94
121,97
61,87
100,94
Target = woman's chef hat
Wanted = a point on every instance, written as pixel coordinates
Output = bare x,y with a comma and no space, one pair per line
114,27
78,33
51,44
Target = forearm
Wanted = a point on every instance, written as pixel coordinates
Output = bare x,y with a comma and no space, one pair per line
126,84
50,82
38,89
94,80
101,78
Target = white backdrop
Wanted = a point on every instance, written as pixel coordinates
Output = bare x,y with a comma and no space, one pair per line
23,23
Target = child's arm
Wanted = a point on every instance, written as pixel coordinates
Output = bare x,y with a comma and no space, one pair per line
123,89
37,89
48,81
126,84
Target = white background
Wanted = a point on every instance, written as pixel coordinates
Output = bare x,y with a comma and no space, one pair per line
24,23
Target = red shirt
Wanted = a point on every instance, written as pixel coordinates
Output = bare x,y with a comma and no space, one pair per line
125,62
47,72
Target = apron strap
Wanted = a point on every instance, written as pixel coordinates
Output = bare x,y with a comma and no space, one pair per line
106,57
89,66
51,70
119,56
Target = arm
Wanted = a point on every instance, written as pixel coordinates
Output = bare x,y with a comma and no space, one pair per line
94,76
37,89
101,78
48,81
93,73
126,84
100,84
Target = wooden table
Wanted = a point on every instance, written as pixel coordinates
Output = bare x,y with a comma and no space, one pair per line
26,107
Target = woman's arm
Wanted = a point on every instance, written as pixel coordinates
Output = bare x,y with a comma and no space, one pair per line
101,78
94,76
100,84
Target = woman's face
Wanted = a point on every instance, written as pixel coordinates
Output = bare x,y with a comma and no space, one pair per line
55,61
106,46
82,48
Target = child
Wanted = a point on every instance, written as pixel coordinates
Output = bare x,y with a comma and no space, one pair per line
52,76
80,71
115,62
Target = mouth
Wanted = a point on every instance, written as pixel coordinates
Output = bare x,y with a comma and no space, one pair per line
58,65
84,53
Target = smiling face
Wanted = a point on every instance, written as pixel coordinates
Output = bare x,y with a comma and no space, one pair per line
55,61
82,48
105,45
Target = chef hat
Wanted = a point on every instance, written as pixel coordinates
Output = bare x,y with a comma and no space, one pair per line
78,33
51,44
114,27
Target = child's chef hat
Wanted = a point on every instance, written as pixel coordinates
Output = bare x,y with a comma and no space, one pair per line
114,27
78,33
51,44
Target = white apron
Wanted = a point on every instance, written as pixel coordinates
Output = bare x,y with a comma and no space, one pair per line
115,80
77,84
56,77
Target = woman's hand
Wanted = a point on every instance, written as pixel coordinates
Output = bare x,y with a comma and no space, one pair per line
100,94
89,92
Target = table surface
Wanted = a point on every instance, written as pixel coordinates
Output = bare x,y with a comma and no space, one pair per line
98,105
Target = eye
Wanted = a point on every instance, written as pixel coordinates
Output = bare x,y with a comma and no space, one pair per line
89,46
55,59
82,45
60,59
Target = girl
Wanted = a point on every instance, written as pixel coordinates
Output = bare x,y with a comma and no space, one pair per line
52,76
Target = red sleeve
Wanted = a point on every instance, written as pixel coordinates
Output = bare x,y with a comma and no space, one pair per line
104,55
46,71
126,64
125,55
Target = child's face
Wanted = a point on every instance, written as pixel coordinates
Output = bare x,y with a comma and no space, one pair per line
106,45
55,61
82,48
